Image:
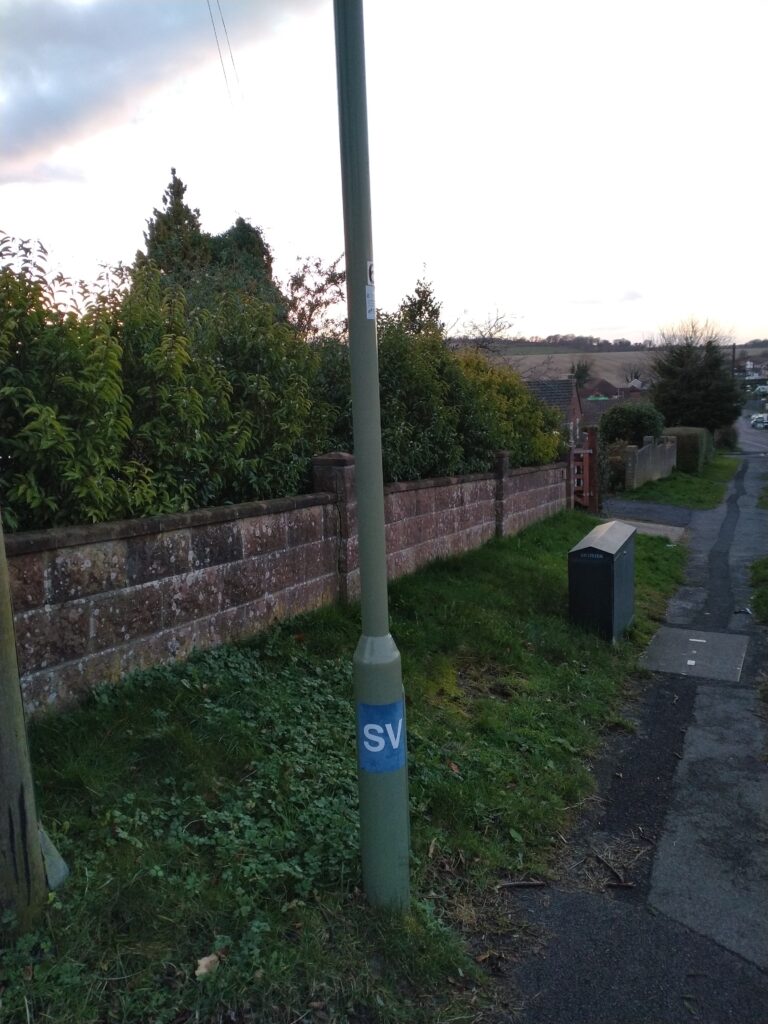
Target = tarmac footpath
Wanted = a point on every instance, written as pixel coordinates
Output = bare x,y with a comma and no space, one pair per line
659,914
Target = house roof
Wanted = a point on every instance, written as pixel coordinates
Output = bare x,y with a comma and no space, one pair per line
599,386
594,410
560,394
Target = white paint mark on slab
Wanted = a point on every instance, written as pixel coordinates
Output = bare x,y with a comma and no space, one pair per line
719,656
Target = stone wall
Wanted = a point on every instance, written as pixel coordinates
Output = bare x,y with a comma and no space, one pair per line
93,603
655,460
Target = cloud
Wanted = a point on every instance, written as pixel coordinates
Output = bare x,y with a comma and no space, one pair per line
70,68
631,296
38,174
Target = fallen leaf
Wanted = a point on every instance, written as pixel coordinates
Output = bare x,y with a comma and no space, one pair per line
207,965
454,767
432,847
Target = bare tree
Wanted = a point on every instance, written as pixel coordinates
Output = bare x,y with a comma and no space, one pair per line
488,335
692,332
635,371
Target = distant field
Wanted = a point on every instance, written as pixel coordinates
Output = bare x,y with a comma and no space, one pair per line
552,361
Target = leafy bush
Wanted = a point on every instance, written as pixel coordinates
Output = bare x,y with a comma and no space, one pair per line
502,414
139,403
694,448
64,418
631,423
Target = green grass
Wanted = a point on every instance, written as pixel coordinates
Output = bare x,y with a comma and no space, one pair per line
759,573
690,490
210,806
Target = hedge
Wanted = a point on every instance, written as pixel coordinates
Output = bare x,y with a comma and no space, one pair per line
134,405
694,447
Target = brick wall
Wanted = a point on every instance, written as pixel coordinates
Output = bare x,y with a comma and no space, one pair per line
93,603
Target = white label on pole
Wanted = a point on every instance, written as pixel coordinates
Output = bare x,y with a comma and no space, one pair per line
370,302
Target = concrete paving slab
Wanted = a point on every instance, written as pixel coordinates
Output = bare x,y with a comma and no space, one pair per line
673,533
649,511
695,652
711,867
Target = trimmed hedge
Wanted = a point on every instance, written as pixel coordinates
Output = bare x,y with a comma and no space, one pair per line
694,447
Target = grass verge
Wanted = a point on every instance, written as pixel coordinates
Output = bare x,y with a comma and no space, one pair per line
690,490
759,573
208,808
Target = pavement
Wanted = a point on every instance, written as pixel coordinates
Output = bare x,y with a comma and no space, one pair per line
659,911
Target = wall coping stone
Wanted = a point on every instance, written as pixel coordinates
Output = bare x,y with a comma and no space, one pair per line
120,529
438,481
452,481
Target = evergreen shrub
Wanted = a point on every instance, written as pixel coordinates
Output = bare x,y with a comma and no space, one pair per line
630,423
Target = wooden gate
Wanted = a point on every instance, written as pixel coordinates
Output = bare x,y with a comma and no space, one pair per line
584,470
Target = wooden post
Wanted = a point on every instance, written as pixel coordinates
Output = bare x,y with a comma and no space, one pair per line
23,888
594,477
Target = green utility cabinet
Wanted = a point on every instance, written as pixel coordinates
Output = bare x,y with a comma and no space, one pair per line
601,580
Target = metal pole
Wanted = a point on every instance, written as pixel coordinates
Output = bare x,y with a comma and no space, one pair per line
379,696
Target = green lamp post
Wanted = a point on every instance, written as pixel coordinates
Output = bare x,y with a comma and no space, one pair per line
379,696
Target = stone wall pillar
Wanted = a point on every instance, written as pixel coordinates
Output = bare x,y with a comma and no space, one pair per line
501,469
334,473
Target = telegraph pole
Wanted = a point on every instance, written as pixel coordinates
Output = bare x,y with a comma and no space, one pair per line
379,696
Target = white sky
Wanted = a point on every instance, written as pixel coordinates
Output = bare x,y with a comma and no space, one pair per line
592,166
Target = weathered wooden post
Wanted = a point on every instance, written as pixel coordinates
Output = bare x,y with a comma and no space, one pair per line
23,887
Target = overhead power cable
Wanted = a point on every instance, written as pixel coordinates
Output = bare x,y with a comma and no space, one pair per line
221,59
229,46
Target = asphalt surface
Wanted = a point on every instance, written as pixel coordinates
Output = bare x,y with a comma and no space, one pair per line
659,913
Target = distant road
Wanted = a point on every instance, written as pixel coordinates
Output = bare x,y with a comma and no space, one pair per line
752,442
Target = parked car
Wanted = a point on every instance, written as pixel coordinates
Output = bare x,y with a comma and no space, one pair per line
759,421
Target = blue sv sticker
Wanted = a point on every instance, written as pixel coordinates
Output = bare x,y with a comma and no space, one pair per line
381,736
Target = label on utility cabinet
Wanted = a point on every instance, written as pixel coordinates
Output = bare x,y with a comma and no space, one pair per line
381,736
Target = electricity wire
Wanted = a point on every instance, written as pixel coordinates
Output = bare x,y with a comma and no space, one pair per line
221,59
229,46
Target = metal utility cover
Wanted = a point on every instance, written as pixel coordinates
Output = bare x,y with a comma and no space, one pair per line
692,652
